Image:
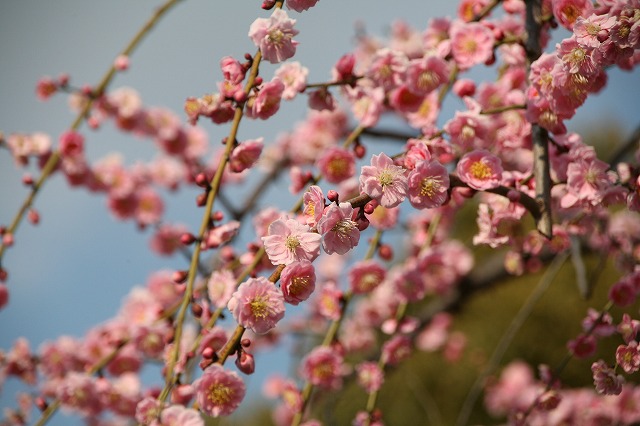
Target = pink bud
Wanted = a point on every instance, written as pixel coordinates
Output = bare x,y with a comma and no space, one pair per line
180,276
121,63
7,239
27,179
4,295
385,252
33,216
246,363
333,196
359,151
187,238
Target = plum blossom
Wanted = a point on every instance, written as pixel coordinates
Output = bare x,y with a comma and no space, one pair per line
323,367
267,102
384,181
245,155
337,164
365,276
300,5
274,36
340,232
428,185
220,287
294,77
606,381
370,376
257,304
480,170
313,205
297,281
219,392
471,44
288,241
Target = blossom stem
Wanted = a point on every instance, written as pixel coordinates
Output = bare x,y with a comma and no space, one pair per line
54,159
498,110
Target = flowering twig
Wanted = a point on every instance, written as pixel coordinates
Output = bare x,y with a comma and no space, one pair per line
54,159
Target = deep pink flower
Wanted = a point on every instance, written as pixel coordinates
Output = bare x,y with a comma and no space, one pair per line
366,275
582,346
567,11
328,301
336,164
288,241
274,36
300,5
245,155
428,185
71,144
387,68
480,170
340,232
313,205
323,367
297,281
370,376
606,381
220,287
628,357
384,181
471,44
219,392
628,328
149,206
232,70
257,304
267,102
427,74
396,350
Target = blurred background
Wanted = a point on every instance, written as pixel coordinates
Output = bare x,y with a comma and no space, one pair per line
72,270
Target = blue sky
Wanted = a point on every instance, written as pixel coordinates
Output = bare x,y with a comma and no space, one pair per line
72,270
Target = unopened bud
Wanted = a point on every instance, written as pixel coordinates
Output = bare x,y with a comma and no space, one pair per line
385,252
180,277
246,363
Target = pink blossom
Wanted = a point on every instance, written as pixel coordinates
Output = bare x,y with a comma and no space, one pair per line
567,11
245,155
166,239
606,381
46,88
428,185
582,346
365,276
267,102
219,392
416,152
628,357
340,232
300,5
587,180
294,77
367,105
323,367
591,31
178,415
149,206
480,170
220,287
628,328
467,130
288,241
313,205
427,74
329,301
396,350
297,281
321,100
384,218
435,334
370,376
274,36
257,304
77,392
71,144
403,100
4,295
232,70
387,68
471,44
222,234
336,164
384,181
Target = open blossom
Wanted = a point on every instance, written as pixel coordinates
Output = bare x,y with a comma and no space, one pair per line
567,11
274,36
297,281
219,392
480,170
605,379
300,5
220,287
288,241
257,304
367,105
370,376
267,102
471,44
323,367
366,275
337,164
426,74
428,185
384,181
294,77
340,231
628,357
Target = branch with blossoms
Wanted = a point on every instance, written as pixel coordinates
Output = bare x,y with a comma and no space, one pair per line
504,155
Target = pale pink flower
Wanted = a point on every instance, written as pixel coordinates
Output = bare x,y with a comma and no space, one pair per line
274,36
367,105
288,241
427,74
77,392
416,152
294,77
366,275
245,155
340,232
264,218
323,367
267,102
220,287
384,218
435,334
232,70
567,11
297,281
605,380
167,172
336,164
591,31
471,44
384,181
587,181
328,301
221,234
149,206
396,350
257,304
166,239
219,392
370,376
313,205
428,185
179,415
300,5
480,170
387,68
628,328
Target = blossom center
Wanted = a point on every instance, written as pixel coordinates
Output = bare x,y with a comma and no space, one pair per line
480,170
427,80
298,284
276,36
467,132
385,178
343,228
429,186
259,307
292,242
338,166
219,394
